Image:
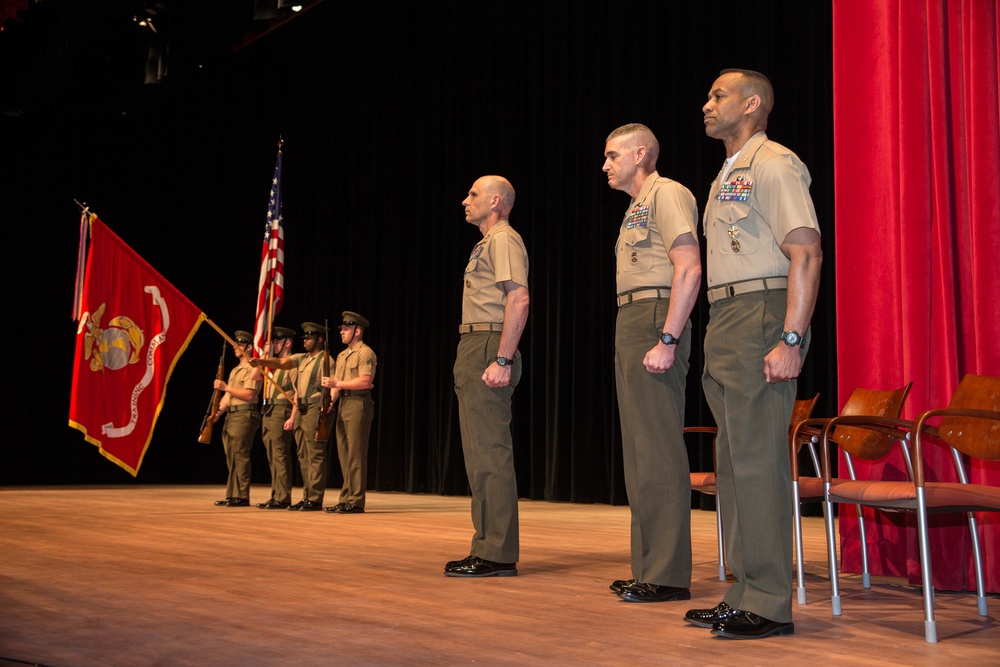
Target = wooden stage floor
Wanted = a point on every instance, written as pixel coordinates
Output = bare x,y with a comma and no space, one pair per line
132,575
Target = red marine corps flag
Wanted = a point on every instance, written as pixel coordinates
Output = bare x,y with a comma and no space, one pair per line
133,327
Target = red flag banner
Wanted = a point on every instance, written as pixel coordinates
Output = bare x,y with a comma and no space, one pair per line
133,327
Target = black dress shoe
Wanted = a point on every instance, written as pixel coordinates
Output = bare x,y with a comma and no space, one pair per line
223,502
336,508
272,504
474,566
238,502
707,618
297,506
310,506
748,625
642,592
619,584
348,508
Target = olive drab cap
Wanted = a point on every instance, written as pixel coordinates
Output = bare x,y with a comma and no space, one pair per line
244,337
313,328
353,318
282,332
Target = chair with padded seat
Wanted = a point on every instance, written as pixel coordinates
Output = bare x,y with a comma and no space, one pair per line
810,489
704,482
970,427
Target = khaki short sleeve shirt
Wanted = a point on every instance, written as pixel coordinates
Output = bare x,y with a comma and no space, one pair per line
764,196
498,257
662,211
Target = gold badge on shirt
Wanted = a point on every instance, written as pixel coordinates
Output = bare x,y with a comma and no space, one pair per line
734,238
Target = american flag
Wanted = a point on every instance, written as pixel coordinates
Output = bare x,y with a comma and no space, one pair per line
271,286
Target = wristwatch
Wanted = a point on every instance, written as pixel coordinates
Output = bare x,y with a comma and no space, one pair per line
504,361
792,338
668,339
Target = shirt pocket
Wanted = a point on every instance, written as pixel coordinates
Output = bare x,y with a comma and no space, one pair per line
636,250
739,231
473,283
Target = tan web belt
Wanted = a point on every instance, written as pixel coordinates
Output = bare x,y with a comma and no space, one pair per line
643,293
746,287
476,327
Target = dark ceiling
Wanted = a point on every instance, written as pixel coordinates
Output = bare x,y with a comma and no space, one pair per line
56,52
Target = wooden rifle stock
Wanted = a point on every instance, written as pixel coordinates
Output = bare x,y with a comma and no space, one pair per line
213,405
323,426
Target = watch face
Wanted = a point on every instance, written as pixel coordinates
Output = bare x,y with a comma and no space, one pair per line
792,338
503,361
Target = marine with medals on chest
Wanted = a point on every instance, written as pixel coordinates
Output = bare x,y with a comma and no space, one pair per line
487,369
658,275
763,270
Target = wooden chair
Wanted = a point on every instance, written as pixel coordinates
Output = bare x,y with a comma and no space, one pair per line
704,482
810,489
970,425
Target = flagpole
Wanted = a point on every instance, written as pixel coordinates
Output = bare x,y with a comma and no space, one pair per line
242,353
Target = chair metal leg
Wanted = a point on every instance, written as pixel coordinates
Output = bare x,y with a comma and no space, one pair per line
721,540
978,560
797,512
866,577
831,550
930,625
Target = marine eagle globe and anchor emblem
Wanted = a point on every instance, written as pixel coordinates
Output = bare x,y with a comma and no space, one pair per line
114,347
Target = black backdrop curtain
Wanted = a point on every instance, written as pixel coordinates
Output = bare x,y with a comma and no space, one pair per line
387,117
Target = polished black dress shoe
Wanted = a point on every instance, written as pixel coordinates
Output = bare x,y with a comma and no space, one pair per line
474,566
310,506
238,502
642,592
619,584
297,506
223,502
272,504
707,618
348,508
748,625
336,508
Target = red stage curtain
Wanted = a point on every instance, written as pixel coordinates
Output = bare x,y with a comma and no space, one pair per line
917,177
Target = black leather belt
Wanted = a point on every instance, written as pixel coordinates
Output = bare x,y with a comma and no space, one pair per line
241,407
355,392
